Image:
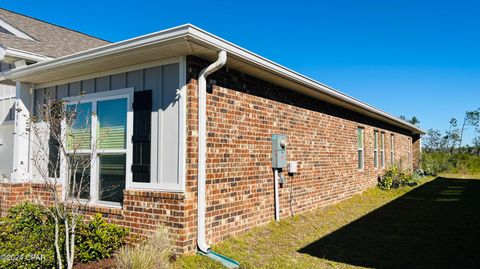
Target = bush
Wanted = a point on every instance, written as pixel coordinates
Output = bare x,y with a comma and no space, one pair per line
140,257
27,236
98,239
394,178
385,182
434,163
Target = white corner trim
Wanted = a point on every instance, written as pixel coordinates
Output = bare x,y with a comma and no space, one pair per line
14,30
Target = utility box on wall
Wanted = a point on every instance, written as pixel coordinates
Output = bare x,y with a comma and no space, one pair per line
279,151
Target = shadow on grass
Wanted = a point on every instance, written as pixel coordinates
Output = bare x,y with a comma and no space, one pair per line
436,225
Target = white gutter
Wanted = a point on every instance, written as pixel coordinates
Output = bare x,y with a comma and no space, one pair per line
103,51
270,66
11,55
196,35
202,148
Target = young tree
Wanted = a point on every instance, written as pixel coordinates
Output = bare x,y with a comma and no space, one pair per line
60,133
472,118
414,120
434,140
452,135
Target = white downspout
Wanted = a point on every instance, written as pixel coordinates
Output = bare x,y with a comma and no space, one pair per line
202,148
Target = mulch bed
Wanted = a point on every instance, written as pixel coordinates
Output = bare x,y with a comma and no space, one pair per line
102,264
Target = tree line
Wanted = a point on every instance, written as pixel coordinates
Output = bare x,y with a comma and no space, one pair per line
452,139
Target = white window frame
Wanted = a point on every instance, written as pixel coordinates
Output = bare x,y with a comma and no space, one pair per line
362,149
94,98
382,149
375,149
392,148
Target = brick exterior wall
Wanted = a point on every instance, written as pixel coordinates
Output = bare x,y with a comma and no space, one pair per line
142,211
12,194
417,151
243,112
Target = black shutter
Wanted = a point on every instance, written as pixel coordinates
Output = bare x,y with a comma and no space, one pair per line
142,122
54,139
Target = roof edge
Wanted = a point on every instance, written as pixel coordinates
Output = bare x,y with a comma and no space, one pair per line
197,34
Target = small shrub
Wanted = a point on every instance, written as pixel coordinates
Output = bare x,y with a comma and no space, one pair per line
98,239
154,253
27,236
394,178
385,182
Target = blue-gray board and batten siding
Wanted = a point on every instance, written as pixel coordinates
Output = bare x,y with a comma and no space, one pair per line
164,83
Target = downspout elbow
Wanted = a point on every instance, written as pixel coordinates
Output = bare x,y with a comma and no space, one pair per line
202,148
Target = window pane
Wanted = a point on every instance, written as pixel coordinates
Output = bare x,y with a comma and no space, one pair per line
80,135
382,143
112,177
375,139
360,138
112,123
360,159
80,176
375,159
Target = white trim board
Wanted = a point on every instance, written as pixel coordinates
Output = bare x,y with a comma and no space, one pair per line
112,72
185,34
14,30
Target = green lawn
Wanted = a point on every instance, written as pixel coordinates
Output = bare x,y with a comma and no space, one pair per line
434,225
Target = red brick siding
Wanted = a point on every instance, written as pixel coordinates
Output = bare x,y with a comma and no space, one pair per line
12,194
142,211
242,115
417,151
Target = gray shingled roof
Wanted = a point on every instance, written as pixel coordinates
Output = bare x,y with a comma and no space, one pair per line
49,40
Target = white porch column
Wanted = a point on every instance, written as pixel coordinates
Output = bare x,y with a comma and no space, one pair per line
21,138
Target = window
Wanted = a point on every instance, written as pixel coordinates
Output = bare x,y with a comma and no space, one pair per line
375,149
360,148
102,125
392,149
382,149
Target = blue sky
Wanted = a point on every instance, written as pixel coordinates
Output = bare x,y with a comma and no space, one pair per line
417,58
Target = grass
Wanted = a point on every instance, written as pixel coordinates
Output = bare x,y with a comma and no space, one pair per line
433,225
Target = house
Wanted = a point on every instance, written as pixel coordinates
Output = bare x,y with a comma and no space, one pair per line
25,41
220,125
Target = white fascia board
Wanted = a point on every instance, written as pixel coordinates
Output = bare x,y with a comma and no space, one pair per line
197,35
14,30
13,55
118,47
290,74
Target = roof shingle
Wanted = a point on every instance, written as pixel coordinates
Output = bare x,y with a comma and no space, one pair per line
49,40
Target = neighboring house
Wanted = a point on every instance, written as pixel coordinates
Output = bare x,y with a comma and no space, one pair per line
25,41
205,170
